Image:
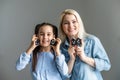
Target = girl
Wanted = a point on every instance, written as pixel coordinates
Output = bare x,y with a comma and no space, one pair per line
47,63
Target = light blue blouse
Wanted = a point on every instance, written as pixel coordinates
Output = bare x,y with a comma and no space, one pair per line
94,49
47,67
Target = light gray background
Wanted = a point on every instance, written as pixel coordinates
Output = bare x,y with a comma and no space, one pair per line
18,18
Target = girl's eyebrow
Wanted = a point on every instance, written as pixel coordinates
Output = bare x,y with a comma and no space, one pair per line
47,32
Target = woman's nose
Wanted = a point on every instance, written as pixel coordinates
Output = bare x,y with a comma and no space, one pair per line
70,25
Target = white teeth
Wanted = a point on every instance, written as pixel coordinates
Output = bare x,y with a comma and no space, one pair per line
45,41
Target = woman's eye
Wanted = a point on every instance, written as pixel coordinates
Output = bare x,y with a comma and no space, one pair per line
65,22
74,22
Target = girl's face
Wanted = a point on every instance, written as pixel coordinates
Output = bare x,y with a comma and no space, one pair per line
70,25
45,35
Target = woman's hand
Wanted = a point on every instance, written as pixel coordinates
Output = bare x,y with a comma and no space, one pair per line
80,51
72,52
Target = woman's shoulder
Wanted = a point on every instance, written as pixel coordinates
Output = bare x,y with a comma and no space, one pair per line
92,37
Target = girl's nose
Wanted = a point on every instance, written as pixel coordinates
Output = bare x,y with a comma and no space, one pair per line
45,36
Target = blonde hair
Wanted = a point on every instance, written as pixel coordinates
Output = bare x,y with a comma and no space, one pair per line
81,33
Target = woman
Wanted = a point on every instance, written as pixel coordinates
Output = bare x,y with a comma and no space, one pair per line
85,62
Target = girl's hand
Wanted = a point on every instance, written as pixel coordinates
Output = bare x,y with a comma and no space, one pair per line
32,45
57,46
33,42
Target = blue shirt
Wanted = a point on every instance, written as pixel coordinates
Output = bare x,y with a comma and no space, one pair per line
94,49
47,68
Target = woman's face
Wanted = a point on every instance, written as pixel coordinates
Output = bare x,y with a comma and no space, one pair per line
70,25
45,35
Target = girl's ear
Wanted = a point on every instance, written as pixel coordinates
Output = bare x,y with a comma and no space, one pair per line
36,35
53,36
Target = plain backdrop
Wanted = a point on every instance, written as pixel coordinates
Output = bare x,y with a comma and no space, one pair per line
19,17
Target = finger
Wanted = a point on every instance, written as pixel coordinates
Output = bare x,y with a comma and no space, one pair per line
82,42
75,53
70,44
79,49
58,40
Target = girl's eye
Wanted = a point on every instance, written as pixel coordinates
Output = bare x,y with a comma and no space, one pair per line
41,34
48,34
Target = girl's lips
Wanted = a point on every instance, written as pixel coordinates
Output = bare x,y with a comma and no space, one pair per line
45,41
